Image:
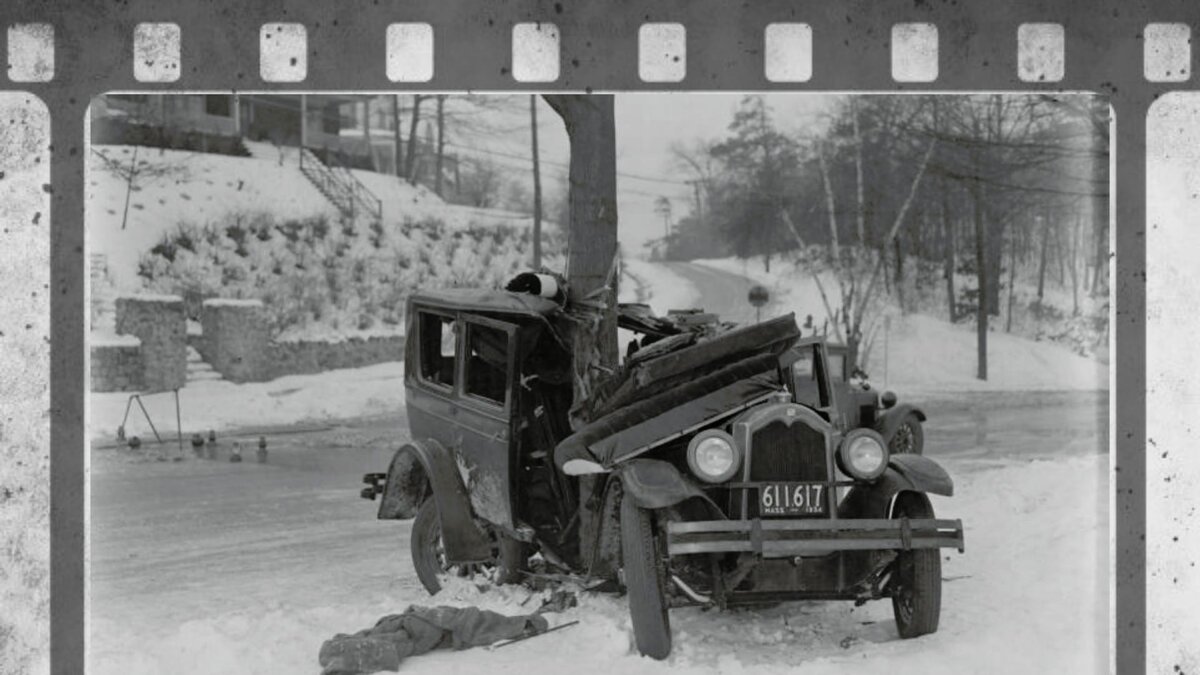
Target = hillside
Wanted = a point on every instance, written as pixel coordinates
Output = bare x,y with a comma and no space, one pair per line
202,225
922,352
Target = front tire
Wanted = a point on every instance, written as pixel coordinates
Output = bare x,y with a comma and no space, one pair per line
917,576
908,438
645,581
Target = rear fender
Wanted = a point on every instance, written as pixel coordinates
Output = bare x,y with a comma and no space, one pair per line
424,466
911,473
888,420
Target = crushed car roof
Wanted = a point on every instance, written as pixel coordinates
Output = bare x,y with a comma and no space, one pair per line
482,300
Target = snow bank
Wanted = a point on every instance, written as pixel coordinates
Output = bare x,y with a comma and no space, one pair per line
1029,595
218,404
922,354
232,302
108,338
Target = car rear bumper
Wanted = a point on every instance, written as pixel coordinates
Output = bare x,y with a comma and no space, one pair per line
779,538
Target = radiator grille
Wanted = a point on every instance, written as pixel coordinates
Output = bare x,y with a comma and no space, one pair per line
788,453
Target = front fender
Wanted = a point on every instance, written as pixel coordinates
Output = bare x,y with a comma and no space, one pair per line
887,420
913,473
655,484
423,466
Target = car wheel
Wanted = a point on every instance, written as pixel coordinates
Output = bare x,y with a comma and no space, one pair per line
908,438
916,583
429,554
645,580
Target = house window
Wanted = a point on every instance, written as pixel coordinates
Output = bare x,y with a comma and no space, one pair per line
487,363
439,340
216,104
331,122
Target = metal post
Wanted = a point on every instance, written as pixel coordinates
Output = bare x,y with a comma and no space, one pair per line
138,398
178,423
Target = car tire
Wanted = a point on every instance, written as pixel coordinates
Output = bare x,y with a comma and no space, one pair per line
908,437
426,543
429,561
916,582
645,581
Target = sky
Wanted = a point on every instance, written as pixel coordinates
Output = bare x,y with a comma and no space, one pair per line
647,125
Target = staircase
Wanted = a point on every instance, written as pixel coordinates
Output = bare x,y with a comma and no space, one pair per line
197,369
335,181
103,302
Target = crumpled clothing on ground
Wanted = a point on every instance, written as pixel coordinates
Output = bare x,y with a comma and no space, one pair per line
418,630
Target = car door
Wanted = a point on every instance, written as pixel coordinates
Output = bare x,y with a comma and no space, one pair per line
485,402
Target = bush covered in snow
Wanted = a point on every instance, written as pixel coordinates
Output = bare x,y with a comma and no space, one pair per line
320,275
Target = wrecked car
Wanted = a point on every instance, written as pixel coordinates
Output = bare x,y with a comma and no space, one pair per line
716,466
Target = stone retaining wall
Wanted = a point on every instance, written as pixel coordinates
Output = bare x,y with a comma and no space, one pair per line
116,364
236,342
158,322
301,357
236,339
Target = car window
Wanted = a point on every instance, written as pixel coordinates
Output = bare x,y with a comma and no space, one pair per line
439,339
808,390
487,363
837,366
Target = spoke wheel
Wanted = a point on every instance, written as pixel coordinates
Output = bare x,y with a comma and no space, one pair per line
432,567
909,437
916,581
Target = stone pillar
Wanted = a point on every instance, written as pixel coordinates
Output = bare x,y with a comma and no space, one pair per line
161,325
237,339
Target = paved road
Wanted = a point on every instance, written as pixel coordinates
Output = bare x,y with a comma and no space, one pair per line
172,540
721,292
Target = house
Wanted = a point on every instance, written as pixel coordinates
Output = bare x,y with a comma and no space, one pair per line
328,124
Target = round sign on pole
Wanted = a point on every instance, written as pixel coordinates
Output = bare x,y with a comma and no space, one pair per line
759,296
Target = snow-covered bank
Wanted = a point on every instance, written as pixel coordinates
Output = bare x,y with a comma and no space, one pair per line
923,354
219,404
1029,595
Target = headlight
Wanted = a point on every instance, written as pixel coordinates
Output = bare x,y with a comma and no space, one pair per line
863,454
713,456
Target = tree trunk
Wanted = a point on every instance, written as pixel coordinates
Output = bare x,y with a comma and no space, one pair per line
441,144
1012,273
397,148
591,237
981,270
410,162
899,250
1100,178
537,186
1073,265
1042,263
950,249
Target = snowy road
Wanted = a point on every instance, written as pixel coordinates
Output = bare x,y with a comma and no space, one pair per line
213,567
721,292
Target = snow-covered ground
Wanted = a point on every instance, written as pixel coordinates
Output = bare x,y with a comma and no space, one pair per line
1029,595
220,404
920,353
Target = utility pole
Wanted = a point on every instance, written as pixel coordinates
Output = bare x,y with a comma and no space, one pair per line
396,148
441,143
537,186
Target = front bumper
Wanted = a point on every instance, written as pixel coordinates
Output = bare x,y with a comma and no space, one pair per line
780,538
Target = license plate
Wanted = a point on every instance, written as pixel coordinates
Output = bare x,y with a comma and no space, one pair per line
792,499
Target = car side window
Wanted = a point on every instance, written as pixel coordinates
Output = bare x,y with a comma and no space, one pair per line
439,341
804,374
487,363
837,366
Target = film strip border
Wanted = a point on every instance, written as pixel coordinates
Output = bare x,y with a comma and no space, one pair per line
536,52
1132,52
